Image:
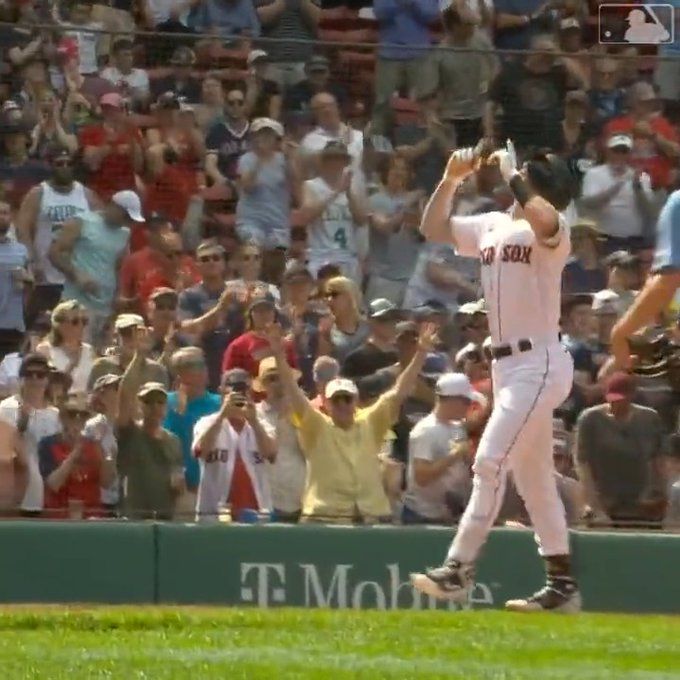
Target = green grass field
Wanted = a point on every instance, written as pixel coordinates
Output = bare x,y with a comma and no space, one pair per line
58,643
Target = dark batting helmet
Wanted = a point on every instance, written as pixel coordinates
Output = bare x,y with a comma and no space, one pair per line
551,179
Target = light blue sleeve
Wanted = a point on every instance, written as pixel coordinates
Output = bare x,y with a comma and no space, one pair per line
667,254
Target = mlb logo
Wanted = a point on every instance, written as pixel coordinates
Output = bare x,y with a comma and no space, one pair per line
636,24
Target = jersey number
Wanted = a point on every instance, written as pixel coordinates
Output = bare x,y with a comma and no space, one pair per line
340,237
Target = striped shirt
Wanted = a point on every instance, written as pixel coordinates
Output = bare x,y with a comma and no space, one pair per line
290,26
13,257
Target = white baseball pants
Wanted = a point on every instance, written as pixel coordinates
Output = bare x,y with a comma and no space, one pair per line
518,437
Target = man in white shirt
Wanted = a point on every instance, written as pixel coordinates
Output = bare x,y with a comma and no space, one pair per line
439,477
233,447
25,419
132,83
619,197
287,472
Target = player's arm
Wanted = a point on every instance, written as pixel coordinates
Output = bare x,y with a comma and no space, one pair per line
62,248
436,224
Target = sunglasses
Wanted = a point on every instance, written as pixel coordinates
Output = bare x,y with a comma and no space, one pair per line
332,294
251,258
166,306
473,327
342,399
210,258
36,375
271,378
475,357
236,102
75,321
62,164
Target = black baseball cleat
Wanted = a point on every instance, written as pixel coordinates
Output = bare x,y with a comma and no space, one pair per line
557,595
452,581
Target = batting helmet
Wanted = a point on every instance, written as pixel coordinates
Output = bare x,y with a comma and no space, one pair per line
551,179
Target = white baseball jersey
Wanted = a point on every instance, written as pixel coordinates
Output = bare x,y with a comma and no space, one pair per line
217,467
521,276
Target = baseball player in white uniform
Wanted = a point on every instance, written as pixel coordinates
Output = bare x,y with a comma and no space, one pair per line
522,255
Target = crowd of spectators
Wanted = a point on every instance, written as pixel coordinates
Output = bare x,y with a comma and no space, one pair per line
214,298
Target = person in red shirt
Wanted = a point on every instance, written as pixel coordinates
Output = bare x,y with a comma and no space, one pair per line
656,144
112,150
174,155
137,265
248,349
175,270
74,468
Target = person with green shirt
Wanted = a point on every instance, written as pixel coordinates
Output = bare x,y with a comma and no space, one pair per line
149,457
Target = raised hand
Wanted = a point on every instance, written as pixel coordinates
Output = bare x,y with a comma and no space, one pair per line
274,335
428,338
461,163
142,340
506,159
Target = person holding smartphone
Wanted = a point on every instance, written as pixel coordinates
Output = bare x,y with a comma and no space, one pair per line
233,447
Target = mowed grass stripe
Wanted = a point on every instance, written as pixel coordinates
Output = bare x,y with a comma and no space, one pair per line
197,643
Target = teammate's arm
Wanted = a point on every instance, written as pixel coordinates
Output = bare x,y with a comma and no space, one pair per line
436,224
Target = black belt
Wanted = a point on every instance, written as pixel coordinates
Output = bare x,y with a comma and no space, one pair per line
506,350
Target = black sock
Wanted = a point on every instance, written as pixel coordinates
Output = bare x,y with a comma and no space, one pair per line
558,568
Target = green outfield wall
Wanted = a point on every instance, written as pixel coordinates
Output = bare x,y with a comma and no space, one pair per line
312,566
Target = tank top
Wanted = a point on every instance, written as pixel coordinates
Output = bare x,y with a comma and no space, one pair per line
55,208
95,253
332,235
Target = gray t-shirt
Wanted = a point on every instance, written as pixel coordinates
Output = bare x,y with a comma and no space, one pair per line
619,453
263,214
344,343
431,439
392,256
459,78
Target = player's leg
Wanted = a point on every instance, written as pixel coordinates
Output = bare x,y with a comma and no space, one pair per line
534,476
503,437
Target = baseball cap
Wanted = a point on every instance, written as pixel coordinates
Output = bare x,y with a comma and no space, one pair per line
105,381
468,349
267,124
642,91
112,99
34,359
75,401
620,386
151,388
406,328
256,55
433,366
317,62
262,300
616,141
606,302
382,308
454,385
163,291
209,247
129,201
341,386
128,321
